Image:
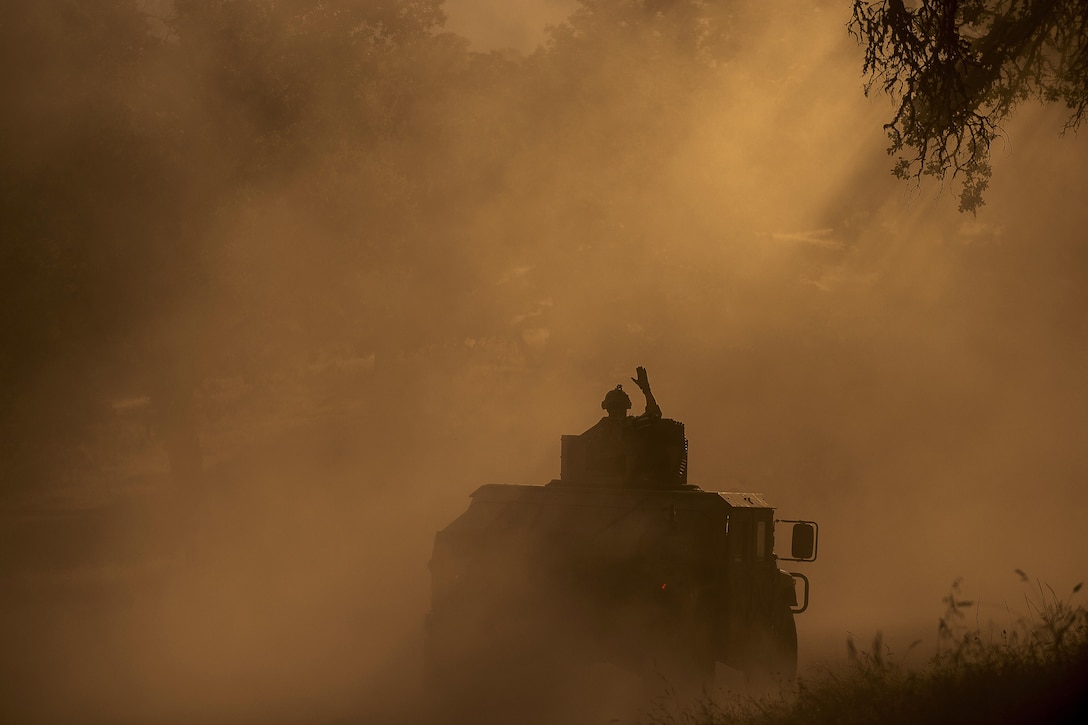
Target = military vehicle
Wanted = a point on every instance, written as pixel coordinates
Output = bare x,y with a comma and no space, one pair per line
642,571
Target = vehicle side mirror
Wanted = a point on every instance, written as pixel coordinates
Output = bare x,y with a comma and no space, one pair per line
804,540
803,547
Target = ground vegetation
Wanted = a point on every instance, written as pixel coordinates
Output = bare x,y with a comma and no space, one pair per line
1030,669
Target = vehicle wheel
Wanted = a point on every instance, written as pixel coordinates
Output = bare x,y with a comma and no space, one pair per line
773,663
784,646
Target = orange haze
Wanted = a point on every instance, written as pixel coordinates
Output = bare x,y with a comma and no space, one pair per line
855,349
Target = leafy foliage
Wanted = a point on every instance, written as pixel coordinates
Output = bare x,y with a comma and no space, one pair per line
956,69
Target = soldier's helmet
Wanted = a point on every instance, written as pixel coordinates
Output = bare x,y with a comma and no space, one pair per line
616,399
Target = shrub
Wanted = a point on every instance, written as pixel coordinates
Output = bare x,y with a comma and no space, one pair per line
1035,671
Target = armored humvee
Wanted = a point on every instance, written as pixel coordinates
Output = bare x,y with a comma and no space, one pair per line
645,572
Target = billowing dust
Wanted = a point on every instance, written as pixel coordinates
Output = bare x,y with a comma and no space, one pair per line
375,332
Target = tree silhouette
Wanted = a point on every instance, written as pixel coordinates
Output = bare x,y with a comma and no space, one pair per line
956,70
130,142
79,201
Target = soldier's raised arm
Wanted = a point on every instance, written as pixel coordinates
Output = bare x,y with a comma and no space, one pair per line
653,410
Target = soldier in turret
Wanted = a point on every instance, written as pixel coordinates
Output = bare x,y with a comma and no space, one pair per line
612,443
616,402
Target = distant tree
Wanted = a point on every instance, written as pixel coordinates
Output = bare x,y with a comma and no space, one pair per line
283,81
621,76
956,69
695,30
78,202
129,142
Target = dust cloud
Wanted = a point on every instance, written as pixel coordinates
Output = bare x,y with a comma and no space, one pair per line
374,270
506,25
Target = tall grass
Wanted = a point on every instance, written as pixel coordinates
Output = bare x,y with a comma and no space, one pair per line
1034,670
